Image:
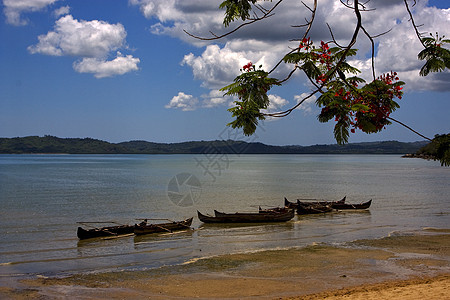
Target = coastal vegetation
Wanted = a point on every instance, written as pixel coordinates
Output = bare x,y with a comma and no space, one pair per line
437,149
52,144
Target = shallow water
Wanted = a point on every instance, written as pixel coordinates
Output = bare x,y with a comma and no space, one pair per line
44,196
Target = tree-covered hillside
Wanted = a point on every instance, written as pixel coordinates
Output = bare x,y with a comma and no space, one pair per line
51,144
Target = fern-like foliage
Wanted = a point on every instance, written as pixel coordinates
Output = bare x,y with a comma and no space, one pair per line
251,87
236,9
436,56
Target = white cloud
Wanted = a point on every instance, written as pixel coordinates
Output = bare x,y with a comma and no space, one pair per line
308,105
102,68
217,67
174,16
183,102
163,10
92,41
276,104
64,10
216,98
398,50
13,9
81,38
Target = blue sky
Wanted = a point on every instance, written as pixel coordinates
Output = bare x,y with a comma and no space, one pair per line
124,70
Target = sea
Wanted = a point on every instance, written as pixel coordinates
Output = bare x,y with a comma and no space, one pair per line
44,198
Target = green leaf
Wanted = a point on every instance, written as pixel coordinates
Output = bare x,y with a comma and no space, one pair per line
432,65
247,117
437,57
294,58
359,107
341,133
236,10
344,66
311,69
325,99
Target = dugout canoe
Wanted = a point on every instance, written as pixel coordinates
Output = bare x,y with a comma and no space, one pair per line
343,206
312,208
108,231
273,216
290,204
273,209
140,229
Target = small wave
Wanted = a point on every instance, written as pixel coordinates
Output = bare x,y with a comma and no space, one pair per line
397,233
194,260
434,229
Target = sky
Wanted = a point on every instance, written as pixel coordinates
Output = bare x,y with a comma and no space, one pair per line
126,70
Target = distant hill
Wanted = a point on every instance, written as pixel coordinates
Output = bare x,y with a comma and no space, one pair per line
51,144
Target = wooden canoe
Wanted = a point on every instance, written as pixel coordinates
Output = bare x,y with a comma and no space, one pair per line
221,217
273,209
312,208
363,205
290,204
108,231
140,229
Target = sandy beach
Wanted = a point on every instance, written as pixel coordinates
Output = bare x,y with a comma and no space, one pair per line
397,267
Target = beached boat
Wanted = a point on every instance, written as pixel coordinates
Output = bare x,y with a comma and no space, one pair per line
273,216
273,209
144,228
363,205
109,231
312,208
290,204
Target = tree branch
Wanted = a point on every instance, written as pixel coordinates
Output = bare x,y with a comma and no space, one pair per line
419,36
344,55
406,126
266,15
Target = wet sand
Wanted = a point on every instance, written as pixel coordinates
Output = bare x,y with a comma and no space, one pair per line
398,267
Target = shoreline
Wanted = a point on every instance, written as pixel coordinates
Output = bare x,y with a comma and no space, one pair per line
411,264
436,287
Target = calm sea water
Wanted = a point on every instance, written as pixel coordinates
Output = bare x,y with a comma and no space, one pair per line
42,198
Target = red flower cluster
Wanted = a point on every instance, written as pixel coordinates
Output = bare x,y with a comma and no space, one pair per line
248,67
367,109
380,103
305,43
323,56
390,79
321,78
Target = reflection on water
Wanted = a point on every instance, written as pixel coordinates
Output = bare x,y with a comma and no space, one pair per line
44,196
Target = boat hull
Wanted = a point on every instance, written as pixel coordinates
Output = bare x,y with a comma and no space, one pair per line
340,206
104,231
164,227
290,204
307,209
247,217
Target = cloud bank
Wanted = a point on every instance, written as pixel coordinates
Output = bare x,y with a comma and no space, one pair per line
95,43
92,42
14,9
